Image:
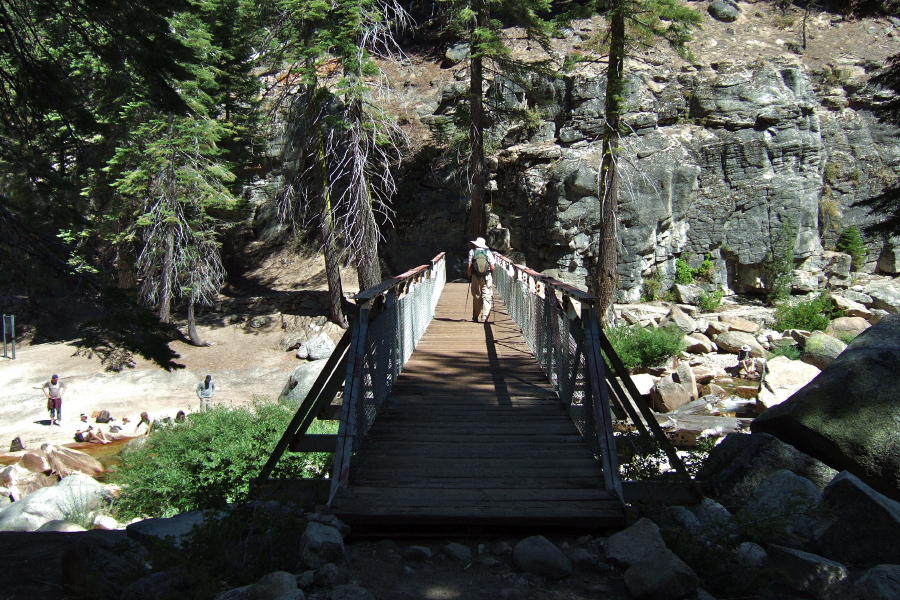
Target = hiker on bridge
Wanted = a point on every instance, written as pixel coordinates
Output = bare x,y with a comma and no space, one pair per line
481,264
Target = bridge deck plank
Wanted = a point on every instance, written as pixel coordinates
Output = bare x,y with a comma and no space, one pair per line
473,434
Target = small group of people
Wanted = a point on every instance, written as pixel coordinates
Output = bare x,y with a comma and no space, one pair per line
55,388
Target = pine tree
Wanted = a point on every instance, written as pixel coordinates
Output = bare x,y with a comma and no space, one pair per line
344,145
631,23
474,21
852,243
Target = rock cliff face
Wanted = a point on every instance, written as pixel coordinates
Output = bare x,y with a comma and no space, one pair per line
720,154
717,159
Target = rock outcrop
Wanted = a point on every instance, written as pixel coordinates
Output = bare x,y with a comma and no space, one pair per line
848,417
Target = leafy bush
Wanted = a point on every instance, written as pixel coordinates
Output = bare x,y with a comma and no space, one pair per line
852,243
236,547
207,461
792,352
652,286
810,315
641,348
683,273
710,302
706,270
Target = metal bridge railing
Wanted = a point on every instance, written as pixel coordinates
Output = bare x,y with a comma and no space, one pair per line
392,318
559,324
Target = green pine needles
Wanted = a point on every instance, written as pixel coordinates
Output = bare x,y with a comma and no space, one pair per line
779,262
852,243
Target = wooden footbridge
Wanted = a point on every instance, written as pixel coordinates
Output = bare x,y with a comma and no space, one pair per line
504,423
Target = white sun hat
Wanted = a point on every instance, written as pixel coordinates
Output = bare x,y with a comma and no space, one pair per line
479,243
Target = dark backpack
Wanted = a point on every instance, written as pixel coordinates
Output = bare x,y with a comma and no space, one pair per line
480,261
104,417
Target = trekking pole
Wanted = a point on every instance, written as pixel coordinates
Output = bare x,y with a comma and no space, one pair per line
468,287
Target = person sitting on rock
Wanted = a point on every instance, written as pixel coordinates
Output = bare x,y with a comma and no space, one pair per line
145,422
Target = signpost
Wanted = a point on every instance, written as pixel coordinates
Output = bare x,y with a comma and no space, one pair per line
9,332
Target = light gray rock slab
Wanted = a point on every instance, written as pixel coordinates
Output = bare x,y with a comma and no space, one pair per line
634,543
749,555
741,324
821,349
76,494
680,319
661,575
668,394
60,526
859,525
351,592
458,552
174,528
881,582
698,343
320,544
885,295
417,554
536,554
319,347
301,380
781,378
732,341
807,573
741,462
848,415
269,587
329,575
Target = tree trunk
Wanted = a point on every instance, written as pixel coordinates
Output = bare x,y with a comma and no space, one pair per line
604,282
368,269
332,263
329,238
168,273
478,222
195,338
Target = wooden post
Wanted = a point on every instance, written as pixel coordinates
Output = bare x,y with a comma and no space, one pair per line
353,388
596,381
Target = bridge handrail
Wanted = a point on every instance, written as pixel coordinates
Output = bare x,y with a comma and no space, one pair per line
559,325
588,376
392,317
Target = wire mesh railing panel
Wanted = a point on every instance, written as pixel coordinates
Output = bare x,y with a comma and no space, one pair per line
556,340
396,314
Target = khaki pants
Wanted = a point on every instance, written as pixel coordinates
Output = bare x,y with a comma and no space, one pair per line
482,289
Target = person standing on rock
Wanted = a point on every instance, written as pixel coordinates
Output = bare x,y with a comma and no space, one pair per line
481,265
205,391
54,390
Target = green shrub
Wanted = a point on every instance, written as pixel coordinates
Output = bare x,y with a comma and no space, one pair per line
706,270
233,548
652,286
207,461
852,243
779,262
792,352
641,348
710,302
809,315
683,273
